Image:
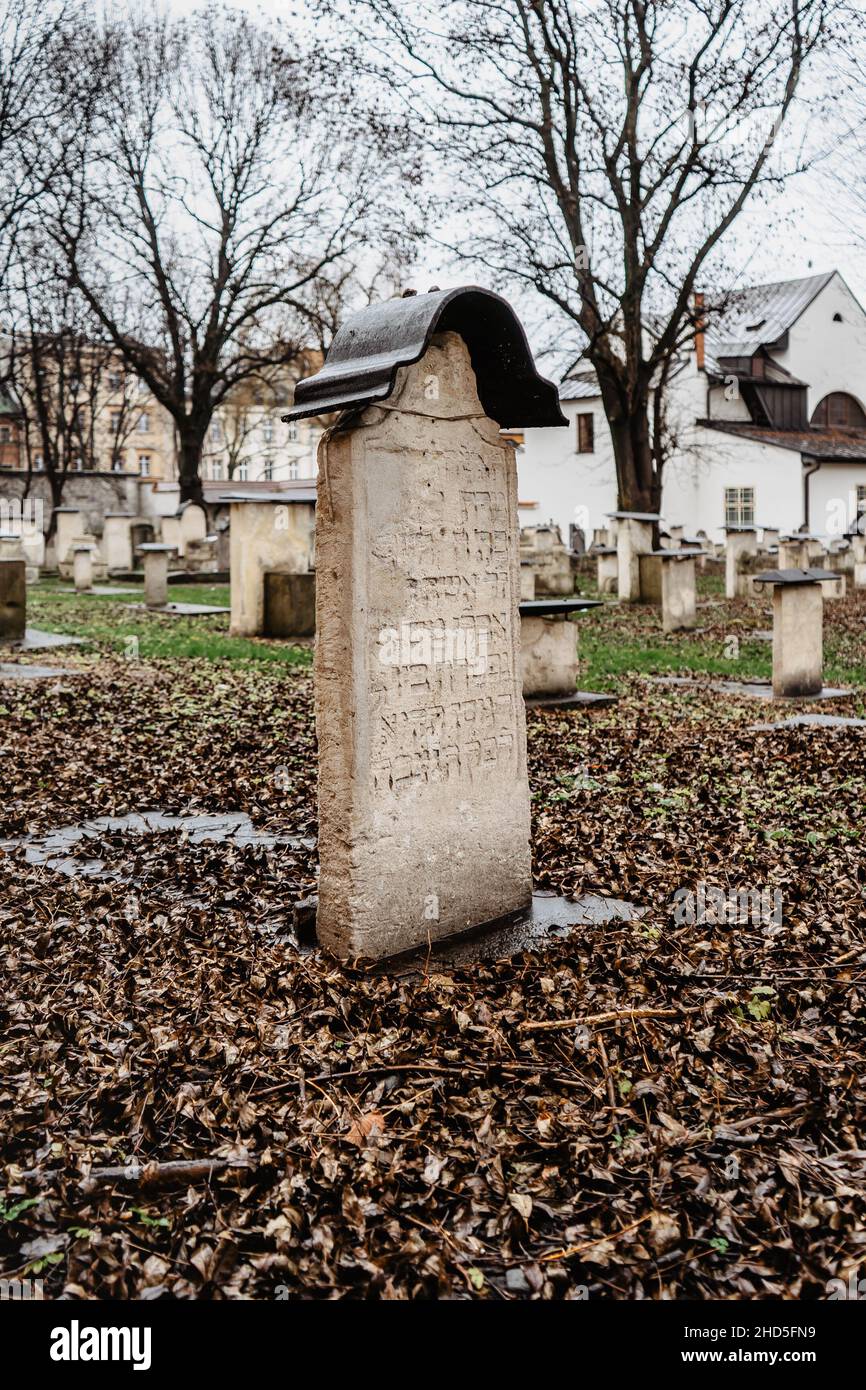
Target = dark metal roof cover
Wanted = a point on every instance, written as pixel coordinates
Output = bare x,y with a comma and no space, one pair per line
794,576
556,607
363,359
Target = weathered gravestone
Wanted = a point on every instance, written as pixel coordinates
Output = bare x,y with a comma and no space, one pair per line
82,568
798,630
117,541
606,569
270,533
740,541
548,651
668,578
634,537
423,790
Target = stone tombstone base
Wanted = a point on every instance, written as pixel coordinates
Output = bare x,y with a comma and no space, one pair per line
290,605
268,534
633,539
548,656
679,595
798,639
793,555
739,544
834,588
117,541
155,577
13,600
860,574
82,570
423,791
607,571
650,571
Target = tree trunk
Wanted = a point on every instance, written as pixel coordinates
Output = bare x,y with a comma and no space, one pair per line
189,471
638,481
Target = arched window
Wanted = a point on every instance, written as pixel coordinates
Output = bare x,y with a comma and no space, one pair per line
839,411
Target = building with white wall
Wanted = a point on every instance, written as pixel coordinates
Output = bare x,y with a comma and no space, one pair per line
769,414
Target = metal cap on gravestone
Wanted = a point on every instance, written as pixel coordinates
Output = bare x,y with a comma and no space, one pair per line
423,790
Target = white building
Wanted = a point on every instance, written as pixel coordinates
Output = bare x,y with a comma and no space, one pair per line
769,414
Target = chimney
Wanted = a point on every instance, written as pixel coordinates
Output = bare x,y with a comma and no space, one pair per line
699,331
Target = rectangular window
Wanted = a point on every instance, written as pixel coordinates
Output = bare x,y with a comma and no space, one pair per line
144,465
268,471
143,422
292,428
739,506
586,433
5,434
268,431
216,431
294,468
216,470
241,471
115,381
116,421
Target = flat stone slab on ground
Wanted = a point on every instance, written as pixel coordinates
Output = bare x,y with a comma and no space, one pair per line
755,690
11,671
184,610
36,640
55,850
817,721
98,591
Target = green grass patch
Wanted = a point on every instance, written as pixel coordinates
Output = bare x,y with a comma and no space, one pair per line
109,623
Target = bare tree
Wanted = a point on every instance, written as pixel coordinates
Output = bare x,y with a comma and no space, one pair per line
209,211
604,148
76,406
45,89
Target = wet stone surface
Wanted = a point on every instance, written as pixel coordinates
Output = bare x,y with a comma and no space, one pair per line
11,671
813,721
65,850
550,918
755,690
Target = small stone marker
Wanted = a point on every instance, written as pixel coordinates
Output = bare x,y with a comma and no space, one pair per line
798,630
156,573
82,568
634,537
548,647
668,578
423,789
68,525
13,600
606,569
739,541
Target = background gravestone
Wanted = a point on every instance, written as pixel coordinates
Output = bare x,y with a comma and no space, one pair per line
423,790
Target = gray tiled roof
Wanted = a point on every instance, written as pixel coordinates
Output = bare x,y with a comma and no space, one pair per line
758,315
579,388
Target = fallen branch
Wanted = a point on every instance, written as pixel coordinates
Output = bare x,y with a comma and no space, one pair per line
151,1174
591,1020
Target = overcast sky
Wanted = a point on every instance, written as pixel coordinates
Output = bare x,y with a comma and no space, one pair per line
805,231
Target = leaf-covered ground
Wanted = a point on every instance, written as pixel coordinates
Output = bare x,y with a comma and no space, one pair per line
653,1109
